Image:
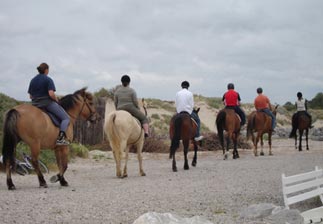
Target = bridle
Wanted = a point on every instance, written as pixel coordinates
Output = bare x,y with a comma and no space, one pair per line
88,107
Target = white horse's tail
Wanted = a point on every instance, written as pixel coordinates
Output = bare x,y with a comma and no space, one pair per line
112,130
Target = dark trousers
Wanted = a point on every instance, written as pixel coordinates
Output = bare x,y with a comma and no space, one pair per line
240,112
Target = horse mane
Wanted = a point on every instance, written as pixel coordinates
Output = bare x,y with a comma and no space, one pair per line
69,101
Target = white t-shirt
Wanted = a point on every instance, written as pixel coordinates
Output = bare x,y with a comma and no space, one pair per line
184,101
300,104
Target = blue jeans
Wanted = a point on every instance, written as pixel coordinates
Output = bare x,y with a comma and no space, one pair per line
60,113
273,118
197,119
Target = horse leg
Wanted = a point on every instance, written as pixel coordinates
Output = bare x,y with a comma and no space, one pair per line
235,147
300,140
296,140
306,136
256,143
262,146
125,173
194,161
174,164
139,150
10,184
35,149
61,154
117,154
186,144
269,142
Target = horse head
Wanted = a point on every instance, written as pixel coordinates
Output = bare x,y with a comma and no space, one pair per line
80,104
274,109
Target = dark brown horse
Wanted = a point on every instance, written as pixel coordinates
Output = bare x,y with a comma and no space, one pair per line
303,124
227,120
182,127
34,127
260,122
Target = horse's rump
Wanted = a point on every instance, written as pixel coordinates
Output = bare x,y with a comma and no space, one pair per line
120,125
303,120
180,124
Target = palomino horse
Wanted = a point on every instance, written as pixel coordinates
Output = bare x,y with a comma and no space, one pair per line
182,127
227,120
260,122
123,130
303,124
34,127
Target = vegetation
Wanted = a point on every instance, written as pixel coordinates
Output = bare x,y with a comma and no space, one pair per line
214,102
317,102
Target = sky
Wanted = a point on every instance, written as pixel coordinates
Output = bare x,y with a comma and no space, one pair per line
273,44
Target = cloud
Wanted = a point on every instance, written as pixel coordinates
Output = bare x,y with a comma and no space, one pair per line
273,44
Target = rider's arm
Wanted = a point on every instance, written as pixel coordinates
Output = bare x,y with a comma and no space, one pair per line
52,95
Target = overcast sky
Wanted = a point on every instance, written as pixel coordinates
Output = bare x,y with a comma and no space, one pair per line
275,44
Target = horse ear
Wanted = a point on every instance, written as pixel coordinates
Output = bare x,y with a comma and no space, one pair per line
198,109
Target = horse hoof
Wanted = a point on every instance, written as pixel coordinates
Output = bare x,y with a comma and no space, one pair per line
271,154
54,179
143,174
186,167
174,169
43,185
11,188
125,175
262,154
194,164
64,183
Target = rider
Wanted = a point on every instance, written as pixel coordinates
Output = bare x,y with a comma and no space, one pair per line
42,94
262,103
232,100
301,106
125,98
184,102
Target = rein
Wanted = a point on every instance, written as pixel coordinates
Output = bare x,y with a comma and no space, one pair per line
91,112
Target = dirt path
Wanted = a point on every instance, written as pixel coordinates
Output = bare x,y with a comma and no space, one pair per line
215,189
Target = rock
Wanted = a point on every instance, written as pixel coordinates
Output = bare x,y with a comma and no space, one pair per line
168,218
292,216
258,211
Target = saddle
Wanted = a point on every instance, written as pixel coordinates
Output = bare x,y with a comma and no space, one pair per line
55,120
184,112
232,108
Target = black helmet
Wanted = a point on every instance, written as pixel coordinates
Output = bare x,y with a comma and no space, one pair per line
299,95
230,86
259,90
185,84
125,79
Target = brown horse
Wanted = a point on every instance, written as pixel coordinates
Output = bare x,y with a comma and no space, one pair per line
34,127
260,122
227,120
182,127
303,124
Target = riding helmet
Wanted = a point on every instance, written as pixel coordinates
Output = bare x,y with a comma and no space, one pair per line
259,90
125,79
299,95
230,86
185,84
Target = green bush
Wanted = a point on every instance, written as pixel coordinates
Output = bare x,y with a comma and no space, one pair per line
78,150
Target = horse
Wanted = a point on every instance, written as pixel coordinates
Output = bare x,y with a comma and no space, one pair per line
122,131
227,120
303,124
183,127
260,122
33,126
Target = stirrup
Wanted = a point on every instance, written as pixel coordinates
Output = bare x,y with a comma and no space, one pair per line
62,141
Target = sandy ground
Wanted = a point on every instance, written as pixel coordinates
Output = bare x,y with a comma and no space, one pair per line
217,190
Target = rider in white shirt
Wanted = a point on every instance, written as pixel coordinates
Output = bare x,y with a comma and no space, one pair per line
184,102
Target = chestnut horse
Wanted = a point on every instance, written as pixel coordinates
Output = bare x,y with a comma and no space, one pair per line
303,124
260,122
227,120
123,130
33,126
183,127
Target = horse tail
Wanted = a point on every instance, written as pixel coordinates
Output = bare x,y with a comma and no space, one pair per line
10,136
220,124
112,130
177,135
250,126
